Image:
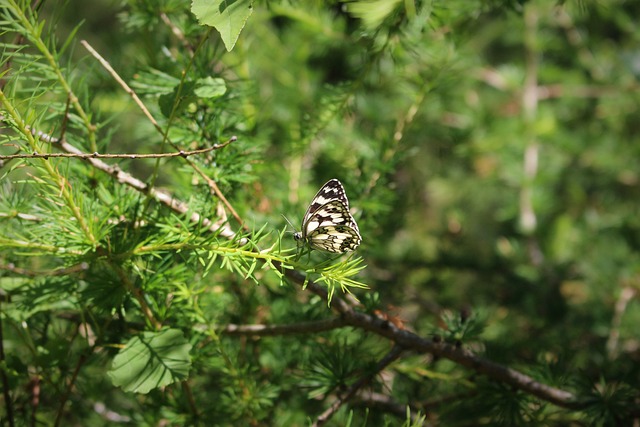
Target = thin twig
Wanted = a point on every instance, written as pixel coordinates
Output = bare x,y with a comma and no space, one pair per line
117,156
21,216
68,390
296,328
192,402
528,219
56,272
122,83
178,33
626,294
139,296
125,178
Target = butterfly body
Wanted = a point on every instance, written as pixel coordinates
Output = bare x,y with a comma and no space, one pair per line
328,225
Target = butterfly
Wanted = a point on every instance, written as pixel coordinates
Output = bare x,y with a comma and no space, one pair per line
328,225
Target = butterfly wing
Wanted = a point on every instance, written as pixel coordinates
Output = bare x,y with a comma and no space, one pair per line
331,228
332,190
328,225
334,238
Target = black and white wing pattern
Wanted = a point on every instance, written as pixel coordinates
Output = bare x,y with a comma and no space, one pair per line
328,225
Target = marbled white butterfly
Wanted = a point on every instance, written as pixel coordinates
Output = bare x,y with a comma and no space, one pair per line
328,225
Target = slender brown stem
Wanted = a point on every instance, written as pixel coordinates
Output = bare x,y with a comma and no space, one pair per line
274,330
116,156
68,390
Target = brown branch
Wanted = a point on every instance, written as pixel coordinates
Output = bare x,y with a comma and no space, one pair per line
67,392
272,330
192,402
393,354
122,83
411,341
139,296
626,295
55,272
96,155
178,33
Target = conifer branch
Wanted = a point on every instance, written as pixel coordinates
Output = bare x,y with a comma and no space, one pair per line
461,356
393,354
59,180
125,178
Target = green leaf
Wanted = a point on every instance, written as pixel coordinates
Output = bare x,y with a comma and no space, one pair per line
226,16
152,360
183,96
210,87
372,12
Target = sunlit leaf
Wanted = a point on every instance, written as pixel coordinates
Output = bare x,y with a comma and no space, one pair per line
210,87
152,360
226,16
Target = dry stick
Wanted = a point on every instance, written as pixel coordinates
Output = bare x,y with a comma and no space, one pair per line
274,330
83,266
146,112
22,216
179,35
393,354
97,155
528,219
214,187
626,294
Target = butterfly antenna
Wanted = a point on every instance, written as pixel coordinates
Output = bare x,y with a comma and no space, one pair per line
289,222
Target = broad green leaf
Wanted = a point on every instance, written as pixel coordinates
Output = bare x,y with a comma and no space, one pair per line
210,87
184,97
226,16
151,360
